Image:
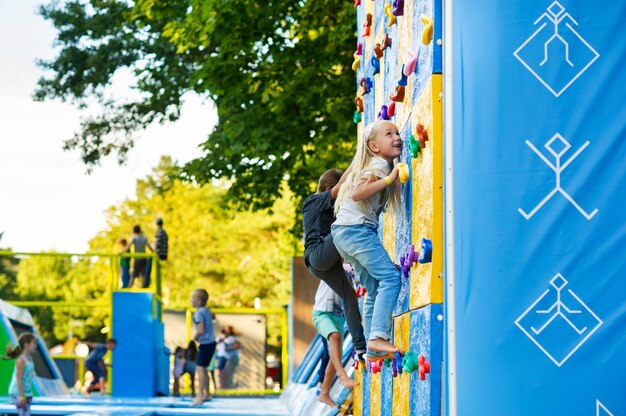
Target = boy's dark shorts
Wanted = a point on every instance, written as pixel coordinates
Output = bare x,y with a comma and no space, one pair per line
139,267
205,353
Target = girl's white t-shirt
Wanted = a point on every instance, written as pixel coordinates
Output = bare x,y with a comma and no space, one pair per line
368,210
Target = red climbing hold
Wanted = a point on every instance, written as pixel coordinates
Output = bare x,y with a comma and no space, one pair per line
424,367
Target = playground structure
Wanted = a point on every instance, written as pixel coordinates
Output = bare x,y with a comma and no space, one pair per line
135,317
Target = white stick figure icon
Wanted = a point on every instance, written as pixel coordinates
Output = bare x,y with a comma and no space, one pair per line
559,306
556,18
557,167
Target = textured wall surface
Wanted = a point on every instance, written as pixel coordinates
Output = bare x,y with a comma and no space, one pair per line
417,324
421,212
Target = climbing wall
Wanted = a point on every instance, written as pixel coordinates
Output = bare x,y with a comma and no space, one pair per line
398,63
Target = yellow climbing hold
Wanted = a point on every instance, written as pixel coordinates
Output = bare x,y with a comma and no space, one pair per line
356,63
427,32
390,15
403,172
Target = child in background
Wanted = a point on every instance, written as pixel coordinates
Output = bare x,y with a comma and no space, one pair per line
328,321
231,351
185,363
95,363
189,366
371,186
20,389
177,371
140,265
203,319
124,263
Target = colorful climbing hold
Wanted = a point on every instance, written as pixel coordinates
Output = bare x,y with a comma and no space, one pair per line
403,172
412,256
390,15
376,366
378,50
391,110
414,147
383,114
394,368
367,24
427,32
422,135
359,49
424,367
375,64
398,96
426,253
357,62
398,362
410,362
386,41
358,101
403,78
405,267
411,63
366,85
398,8
360,291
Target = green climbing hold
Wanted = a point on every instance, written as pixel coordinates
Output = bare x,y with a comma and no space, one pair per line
414,146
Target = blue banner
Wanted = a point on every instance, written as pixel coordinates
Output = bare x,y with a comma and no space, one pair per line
539,116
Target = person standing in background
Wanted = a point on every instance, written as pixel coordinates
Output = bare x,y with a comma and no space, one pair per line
140,265
160,240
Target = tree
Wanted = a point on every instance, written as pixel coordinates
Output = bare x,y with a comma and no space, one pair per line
236,256
8,270
278,72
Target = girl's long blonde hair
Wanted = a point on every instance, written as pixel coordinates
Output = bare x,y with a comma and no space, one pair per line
362,159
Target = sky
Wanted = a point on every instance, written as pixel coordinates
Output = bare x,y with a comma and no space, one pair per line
47,199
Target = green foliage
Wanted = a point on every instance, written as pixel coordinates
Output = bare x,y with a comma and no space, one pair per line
278,72
63,279
8,275
235,255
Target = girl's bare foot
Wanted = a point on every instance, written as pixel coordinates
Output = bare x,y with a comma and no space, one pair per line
325,398
207,398
382,345
347,382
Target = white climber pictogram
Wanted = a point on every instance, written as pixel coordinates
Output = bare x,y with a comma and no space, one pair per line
556,54
558,167
558,322
601,410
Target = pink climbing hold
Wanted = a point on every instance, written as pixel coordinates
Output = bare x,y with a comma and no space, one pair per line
359,49
411,63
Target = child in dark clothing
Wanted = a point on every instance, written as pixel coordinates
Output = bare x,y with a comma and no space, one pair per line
321,256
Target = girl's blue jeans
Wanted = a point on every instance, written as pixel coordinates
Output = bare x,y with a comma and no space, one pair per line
360,246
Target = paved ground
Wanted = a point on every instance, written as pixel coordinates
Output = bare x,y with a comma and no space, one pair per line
99,406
